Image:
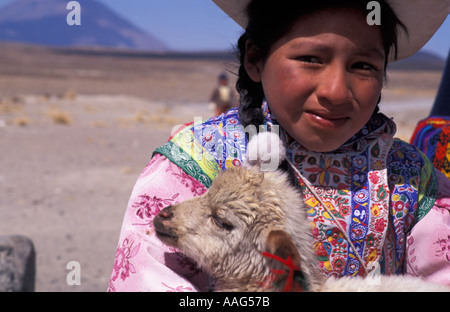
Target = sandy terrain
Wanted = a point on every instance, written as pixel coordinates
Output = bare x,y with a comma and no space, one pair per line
76,130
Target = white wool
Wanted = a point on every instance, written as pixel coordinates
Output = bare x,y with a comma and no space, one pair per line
265,150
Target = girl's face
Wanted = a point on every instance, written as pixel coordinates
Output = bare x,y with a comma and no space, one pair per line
322,80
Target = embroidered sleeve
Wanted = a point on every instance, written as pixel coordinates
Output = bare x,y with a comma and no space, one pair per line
142,262
432,136
428,244
428,189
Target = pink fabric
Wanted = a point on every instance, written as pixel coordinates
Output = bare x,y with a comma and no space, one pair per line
142,262
428,244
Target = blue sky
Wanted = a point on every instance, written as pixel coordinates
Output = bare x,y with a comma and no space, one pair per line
193,25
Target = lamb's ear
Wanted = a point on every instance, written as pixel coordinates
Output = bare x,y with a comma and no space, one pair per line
279,244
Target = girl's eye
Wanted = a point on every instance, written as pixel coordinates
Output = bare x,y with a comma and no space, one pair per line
309,59
364,66
222,223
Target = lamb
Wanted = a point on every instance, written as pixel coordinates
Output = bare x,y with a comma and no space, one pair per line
250,233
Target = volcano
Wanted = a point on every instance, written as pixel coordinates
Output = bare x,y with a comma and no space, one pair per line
44,22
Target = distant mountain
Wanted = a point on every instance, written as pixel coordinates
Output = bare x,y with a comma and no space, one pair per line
44,22
420,61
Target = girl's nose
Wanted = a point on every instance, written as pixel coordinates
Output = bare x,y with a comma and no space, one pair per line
334,87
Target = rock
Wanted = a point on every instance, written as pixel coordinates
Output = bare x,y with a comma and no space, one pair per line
17,264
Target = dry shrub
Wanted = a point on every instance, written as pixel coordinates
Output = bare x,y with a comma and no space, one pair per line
144,117
89,108
69,95
141,116
21,121
10,106
99,124
60,117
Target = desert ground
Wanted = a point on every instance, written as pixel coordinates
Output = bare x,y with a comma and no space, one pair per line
76,129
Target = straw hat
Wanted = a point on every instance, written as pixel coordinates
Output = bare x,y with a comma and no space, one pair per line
421,17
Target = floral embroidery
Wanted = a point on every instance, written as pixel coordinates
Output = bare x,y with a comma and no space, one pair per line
325,171
410,249
432,136
149,206
203,149
111,287
177,289
196,187
363,190
443,249
122,265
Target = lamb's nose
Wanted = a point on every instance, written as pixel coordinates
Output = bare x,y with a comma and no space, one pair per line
166,213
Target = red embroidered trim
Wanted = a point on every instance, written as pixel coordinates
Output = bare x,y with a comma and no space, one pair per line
290,284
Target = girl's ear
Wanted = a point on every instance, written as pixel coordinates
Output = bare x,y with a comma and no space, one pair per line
253,63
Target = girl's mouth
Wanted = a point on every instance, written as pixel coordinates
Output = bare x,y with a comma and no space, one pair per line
329,121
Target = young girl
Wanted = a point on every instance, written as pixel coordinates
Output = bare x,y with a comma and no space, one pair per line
315,69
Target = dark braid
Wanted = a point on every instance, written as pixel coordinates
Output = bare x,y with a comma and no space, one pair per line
251,93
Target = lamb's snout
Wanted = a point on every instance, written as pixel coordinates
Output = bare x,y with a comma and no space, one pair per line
166,213
162,226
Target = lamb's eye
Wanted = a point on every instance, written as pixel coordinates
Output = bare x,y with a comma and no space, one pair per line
222,223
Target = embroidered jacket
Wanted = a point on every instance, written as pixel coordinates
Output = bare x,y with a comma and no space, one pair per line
432,136
377,187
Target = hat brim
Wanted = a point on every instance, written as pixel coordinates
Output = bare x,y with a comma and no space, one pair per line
422,19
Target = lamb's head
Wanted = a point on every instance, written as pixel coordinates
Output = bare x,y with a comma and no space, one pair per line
229,230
